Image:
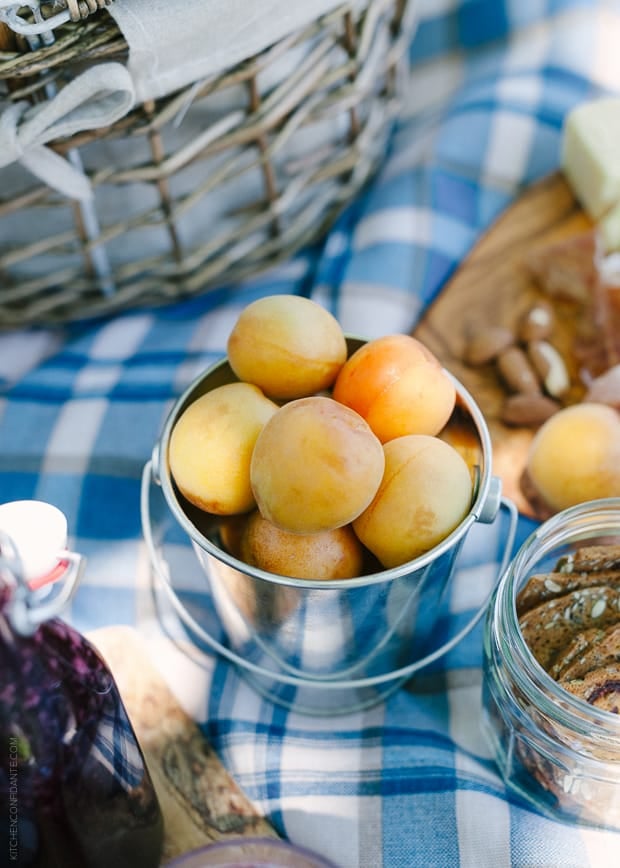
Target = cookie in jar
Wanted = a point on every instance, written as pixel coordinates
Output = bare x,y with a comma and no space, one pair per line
551,687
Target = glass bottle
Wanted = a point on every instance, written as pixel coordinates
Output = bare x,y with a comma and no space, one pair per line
75,791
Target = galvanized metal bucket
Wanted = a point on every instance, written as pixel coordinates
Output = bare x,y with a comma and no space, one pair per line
320,647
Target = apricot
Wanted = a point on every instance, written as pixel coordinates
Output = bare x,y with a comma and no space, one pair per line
316,465
289,346
398,386
230,531
211,447
330,554
425,493
575,456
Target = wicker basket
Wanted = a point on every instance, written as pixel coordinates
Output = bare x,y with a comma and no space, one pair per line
176,212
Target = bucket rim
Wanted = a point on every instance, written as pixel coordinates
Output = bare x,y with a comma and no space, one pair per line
483,492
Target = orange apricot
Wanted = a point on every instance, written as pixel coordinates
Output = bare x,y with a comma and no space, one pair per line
398,386
331,554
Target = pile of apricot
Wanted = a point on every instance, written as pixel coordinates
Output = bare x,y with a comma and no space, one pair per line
323,462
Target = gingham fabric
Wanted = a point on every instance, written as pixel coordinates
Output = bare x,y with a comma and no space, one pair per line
410,782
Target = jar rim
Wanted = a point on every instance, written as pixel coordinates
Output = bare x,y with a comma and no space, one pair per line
600,516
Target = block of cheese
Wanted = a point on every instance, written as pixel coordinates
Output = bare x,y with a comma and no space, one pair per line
590,155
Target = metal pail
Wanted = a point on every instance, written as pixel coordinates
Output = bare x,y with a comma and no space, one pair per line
322,647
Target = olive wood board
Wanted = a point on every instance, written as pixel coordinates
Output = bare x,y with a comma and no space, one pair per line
493,287
200,801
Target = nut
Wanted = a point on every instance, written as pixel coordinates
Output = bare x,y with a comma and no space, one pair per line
528,410
517,372
487,343
537,323
550,367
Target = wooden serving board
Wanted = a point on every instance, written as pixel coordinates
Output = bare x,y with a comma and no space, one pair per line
493,287
200,801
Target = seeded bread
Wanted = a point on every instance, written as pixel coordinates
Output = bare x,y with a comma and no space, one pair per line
550,628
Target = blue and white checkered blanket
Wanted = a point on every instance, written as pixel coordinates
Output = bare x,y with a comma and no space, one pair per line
409,783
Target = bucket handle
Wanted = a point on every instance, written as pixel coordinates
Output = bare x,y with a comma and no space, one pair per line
160,568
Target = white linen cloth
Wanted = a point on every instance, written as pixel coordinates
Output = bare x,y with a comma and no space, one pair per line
173,43
97,98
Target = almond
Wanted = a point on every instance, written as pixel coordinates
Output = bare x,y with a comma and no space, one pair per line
550,367
537,323
485,344
516,371
528,410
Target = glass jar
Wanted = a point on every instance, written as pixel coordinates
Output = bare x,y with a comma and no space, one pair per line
558,751
75,791
251,853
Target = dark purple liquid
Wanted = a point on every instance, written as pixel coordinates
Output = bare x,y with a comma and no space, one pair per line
74,788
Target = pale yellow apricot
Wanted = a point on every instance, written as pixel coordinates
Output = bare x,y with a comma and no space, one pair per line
575,456
316,465
288,345
211,446
425,493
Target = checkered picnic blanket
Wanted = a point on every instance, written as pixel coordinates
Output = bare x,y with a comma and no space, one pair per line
410,782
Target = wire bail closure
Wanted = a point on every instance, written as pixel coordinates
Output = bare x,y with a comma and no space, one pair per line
26,609
69,10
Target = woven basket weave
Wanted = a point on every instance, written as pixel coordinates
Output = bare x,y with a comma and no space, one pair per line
175,220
